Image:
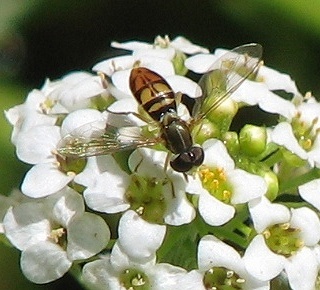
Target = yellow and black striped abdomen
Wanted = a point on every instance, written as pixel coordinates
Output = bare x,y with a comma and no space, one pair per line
152,92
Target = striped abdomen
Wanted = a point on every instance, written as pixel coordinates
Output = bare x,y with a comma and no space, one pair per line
152,92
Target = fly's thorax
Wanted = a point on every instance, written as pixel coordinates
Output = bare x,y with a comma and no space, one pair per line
176,133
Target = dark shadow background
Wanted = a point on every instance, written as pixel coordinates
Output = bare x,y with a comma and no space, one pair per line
51,38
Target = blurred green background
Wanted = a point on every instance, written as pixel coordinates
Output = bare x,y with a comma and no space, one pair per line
40,39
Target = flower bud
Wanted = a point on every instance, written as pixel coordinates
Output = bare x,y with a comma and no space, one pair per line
223,114
178,63
252,140
204,131
272,183
230,139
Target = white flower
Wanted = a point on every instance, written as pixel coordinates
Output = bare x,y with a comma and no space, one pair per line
117,271
42,107
285,241
180,43
13,199
299,133
138,238
32,112
122,64
76,89
257,92
39,145
220,265
115,190
310,192
220,185
52,233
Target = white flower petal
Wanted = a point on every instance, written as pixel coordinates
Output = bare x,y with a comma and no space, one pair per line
272,103
194,185
44,179
88,234
148,162
65,205
114,64
138,238
165,53
77,96
308,222
261,262
246,186
184,85
131,45
302,270
253,93
161,66
264,213
314,153
192,280
44,262
276,80
36,145
186,46
200,63
212,252
79,118
120,79
213,211
180,211
216,155
100,275
126,105
282,134
310,192
95,166
166,277
26,224
120,260
108,192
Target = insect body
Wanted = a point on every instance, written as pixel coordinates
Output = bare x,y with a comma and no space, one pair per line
156,97
158,100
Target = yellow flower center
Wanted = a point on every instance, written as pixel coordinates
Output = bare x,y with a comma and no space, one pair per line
214,180
283,239
305,133
221,278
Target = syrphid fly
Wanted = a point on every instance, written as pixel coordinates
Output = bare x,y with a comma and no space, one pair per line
156,98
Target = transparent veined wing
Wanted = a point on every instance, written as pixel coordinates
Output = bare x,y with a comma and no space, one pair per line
225,75
102,137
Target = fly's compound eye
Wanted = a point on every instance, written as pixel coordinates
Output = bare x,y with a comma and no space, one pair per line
186,160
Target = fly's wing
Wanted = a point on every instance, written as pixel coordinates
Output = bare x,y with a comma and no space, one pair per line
104,137
225,76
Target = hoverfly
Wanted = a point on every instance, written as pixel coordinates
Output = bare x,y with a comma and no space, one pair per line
157,99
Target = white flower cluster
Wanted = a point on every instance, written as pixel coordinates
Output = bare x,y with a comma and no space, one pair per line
127,220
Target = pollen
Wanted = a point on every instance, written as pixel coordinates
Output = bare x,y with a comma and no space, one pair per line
222,278
214,180
283,239
57,234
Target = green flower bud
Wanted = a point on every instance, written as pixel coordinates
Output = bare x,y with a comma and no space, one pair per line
204,131
178,63
272,183
230,139
223,114
252,140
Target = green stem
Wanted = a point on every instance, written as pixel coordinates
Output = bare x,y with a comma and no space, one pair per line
292,184
273,158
